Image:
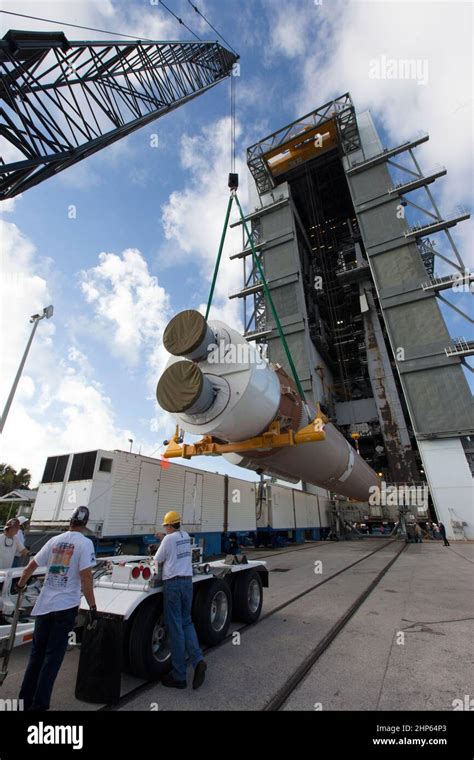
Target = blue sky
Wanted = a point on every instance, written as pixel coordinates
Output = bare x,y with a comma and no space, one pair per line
90,378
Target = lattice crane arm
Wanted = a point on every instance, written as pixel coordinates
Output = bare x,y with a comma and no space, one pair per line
61,101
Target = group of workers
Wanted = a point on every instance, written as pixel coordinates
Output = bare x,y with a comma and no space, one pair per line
69,559
431,530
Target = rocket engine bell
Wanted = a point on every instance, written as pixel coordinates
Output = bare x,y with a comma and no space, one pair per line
218,384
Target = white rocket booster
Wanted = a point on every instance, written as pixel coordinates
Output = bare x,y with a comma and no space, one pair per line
217,384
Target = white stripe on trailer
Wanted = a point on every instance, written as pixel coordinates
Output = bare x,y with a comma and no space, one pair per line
122,599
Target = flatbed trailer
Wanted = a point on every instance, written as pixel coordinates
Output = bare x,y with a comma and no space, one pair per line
129,590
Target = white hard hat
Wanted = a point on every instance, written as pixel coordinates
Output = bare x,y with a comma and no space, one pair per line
22,520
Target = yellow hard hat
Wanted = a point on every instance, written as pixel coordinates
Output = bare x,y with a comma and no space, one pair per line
171,518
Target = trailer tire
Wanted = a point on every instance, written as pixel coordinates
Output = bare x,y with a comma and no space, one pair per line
145,659
248,596
212,611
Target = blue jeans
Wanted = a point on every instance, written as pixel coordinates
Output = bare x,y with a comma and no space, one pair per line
50,641
178,599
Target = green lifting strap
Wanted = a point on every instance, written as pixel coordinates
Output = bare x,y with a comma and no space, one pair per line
264,283
272,305
219,255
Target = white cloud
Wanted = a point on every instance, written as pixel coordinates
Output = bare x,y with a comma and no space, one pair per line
149,21
58,406
193,218
130,301
8,206
26,388
290,28
336,57
132,311
23,293
78,361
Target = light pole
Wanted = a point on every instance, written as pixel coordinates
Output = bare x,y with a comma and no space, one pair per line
34,319
130,440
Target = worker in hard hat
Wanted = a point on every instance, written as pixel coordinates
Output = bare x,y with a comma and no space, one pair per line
24,523
175,556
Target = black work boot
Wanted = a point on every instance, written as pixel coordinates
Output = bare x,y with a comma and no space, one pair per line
199,674
170,681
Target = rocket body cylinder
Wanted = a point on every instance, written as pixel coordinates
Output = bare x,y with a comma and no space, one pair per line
332,464
249,394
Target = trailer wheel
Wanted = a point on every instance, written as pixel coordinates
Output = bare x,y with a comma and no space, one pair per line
148,650
212,611
248,596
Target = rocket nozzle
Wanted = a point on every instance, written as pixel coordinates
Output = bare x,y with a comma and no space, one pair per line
188,335
183,389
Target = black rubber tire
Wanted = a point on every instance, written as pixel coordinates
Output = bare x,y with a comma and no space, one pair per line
206,632
142,661
242,611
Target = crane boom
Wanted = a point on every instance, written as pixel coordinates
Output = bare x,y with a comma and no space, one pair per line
62,101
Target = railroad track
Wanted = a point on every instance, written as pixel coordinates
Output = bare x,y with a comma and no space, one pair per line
461,555
291,684
278,553
298,548
305,592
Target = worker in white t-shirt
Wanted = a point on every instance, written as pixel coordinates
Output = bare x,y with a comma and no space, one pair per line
11,545
69,558
174,554
24,525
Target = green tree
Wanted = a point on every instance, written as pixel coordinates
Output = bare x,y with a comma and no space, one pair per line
11,479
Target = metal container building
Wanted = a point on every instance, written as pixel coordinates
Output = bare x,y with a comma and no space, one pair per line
299,514
129,494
